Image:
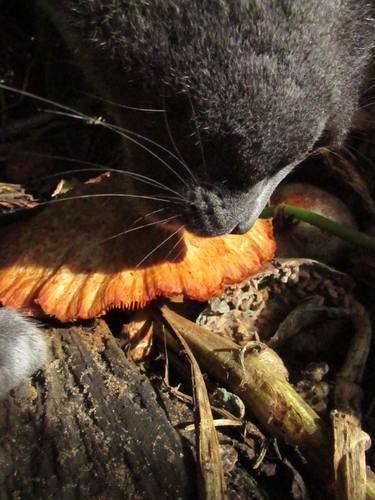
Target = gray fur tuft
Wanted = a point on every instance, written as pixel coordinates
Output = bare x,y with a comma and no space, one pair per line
23,349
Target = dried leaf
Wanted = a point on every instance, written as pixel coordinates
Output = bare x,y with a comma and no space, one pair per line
350,441
349,461
211,469
13,197
138,335
308,312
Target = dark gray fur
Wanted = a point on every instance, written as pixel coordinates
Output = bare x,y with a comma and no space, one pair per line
255,84
267,79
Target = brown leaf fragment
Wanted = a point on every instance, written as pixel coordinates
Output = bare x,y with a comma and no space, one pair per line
306,314
298,488
296,320
211,470
349,462
348,392
350,441
13,197
228,453
138,335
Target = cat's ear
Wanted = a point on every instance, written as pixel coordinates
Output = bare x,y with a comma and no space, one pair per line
23,349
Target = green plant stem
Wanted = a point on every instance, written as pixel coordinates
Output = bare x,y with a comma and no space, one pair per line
344,232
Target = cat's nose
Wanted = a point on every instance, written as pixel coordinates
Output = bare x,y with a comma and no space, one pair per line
244,227
213,211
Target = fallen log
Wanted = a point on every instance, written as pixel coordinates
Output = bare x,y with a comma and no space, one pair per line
90,426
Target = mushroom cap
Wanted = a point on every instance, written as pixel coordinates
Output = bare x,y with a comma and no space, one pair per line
65,262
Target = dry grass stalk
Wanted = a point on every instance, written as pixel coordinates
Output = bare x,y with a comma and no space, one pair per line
211,481
350,442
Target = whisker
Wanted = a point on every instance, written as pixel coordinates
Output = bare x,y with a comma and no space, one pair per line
42,99
166,121
178,255
130,230
314,152
100,168
197,130
72,113
170,133
356,152
122,132
123,106
160,146
77,115
104,195
370,87
147,215
158,246
179,157
333,152
174,246
367,105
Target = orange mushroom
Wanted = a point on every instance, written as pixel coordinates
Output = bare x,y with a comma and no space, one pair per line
65,261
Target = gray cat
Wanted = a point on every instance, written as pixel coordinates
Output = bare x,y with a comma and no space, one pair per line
249,89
